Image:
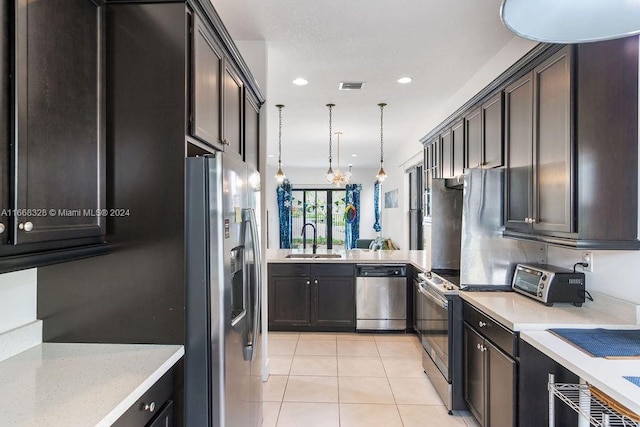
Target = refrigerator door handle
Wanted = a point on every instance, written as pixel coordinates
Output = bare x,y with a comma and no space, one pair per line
250,217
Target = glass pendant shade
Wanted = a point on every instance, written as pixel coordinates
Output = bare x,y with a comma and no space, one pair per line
566,21
330,174
280,176
382,175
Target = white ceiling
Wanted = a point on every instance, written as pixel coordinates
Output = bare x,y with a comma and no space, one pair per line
441,44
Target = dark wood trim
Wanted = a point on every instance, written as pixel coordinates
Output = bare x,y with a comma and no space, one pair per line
573,243
534,57
40,259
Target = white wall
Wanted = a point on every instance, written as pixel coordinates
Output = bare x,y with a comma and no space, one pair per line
314,178
18,299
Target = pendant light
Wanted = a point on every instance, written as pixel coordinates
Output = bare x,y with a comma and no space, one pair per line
330,170
382,175
339,178
280,176
563,21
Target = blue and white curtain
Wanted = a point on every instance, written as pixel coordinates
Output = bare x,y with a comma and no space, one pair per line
352,215
376,206
284,213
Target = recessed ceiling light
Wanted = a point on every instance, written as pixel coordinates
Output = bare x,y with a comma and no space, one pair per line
270,155
405,80
354,155
300,81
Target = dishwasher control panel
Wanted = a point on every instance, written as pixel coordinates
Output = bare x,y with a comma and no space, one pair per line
377,270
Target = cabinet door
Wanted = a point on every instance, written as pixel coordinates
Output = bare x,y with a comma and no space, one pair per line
232,111
447,155
289,301
164,418
251,132
492,141
474,374
473,137
205,85
4,118
333,302
519,133
533,376
59,135
428,176
457,143
501,384
553,143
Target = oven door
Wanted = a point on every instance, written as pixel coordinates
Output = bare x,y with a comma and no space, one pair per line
434,328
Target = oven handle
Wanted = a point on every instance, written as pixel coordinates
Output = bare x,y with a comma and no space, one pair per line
444,303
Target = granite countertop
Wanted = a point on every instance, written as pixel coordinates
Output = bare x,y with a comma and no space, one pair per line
520,313
605,374
67,384
418,259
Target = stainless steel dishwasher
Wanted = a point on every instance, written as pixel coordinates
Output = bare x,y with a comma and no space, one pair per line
381,297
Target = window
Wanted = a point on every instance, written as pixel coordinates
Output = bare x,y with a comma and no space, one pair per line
325,210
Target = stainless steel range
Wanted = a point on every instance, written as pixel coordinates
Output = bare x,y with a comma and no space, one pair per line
439,324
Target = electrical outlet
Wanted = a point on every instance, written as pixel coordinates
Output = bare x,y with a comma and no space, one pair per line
588,258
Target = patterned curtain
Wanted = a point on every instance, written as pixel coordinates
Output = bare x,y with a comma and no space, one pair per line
352,217
284,213
376,206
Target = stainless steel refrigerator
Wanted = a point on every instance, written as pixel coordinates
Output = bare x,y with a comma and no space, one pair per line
487,260
223,356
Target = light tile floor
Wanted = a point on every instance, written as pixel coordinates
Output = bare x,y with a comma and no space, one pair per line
351,380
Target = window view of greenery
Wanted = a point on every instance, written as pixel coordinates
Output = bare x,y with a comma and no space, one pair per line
322,208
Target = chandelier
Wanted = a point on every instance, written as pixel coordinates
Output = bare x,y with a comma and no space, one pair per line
339,178
280,176
382,175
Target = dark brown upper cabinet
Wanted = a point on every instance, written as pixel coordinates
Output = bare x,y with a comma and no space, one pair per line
483,134
492,132
232,110
251,131
206,69
553,144
473,139
58,192
564,122
446,169
457,143
539,175
519,134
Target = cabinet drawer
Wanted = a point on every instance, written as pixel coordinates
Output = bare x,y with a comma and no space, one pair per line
155,397
502,337
293,269
332,270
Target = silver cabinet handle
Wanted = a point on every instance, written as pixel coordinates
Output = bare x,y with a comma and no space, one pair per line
483,348
149,407
315,281
308,282
527,220
482,324
533,220
27,226
478,346
2,227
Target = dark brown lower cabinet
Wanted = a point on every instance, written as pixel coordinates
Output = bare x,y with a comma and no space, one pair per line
533,408
311,297
490,380
154,408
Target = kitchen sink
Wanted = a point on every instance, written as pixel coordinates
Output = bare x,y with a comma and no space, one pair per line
314,256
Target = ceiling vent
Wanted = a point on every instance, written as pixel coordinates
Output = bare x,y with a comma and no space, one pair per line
351,85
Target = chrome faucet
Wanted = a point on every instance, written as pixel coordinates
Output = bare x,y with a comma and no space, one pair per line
315,235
